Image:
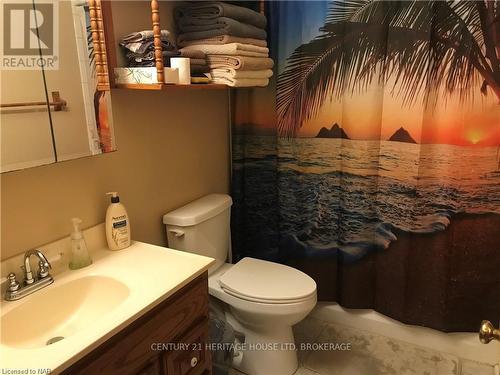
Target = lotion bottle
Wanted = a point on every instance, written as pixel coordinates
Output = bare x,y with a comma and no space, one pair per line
117,224
79,253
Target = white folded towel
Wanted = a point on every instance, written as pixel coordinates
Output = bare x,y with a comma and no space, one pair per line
233,73
239,49
241,82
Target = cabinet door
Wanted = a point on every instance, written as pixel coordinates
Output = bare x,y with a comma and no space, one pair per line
132,351
191,355
151,368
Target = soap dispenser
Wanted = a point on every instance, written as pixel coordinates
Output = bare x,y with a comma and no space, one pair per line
79,253
117,224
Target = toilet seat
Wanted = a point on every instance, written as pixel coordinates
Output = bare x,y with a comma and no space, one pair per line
261,281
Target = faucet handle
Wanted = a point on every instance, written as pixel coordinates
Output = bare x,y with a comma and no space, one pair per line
43,269
13,284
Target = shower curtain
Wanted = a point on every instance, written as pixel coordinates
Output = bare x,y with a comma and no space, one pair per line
371,162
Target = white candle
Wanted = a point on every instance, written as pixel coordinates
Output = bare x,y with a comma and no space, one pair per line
184,66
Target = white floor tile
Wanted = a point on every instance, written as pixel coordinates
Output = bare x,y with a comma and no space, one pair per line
376,355
305,371
233,371
476,368
307,331
372,354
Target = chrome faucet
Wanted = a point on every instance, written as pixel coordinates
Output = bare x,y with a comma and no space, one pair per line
43,264
31,284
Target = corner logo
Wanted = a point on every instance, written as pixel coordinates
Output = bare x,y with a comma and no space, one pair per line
29,34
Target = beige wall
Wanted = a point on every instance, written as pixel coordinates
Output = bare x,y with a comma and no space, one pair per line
172,148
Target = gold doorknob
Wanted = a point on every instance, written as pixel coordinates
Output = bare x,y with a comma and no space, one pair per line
487,332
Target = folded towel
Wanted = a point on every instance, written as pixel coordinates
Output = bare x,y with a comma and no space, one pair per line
150,63
223,39
193,53
200,79
232,73
147,63
228,25
198,61
241,82
139,36
209,10
148,46
150,54
142,41
230,49
221,26
239,62
199,69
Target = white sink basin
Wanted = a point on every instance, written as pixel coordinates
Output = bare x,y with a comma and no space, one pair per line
59,311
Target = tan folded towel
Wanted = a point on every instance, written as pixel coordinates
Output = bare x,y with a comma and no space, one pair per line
222,39
193,53
239,62
238,49
241,82
233,73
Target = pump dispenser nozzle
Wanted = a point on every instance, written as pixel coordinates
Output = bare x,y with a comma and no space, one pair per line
76,221
77,233
114,196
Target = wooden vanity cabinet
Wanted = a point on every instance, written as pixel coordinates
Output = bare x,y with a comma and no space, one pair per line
168,340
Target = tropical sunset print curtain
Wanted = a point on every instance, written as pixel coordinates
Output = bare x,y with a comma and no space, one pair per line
372,161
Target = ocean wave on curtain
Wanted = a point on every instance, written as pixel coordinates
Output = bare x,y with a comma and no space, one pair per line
372,160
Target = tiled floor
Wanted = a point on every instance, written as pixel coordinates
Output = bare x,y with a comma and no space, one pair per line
372,354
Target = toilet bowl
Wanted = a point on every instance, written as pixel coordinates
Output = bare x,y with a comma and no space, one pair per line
262,300
266,324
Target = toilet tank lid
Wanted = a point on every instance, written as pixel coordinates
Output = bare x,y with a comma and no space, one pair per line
199,210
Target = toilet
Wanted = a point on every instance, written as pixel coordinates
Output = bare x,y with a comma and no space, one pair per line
261,300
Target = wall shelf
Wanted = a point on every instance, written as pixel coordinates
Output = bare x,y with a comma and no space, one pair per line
144,15
164,86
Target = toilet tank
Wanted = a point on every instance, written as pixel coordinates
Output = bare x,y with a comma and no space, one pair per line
202,227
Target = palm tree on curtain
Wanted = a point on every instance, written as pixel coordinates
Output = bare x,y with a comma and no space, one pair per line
445,47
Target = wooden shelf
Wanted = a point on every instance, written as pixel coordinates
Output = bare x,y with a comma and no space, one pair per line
164,86
107,50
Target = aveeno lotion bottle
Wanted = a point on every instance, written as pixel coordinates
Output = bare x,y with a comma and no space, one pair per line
117,224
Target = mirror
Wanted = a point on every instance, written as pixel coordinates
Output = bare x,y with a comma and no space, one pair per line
77,122
26,137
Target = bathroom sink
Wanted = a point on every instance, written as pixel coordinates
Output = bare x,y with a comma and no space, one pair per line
55,326
59,311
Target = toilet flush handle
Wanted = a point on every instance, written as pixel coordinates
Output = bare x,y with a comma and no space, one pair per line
176,232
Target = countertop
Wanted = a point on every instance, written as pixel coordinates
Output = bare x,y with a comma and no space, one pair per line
151,273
